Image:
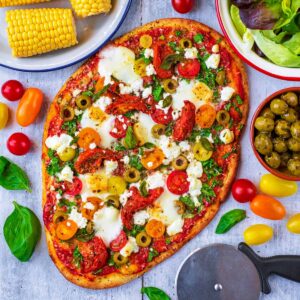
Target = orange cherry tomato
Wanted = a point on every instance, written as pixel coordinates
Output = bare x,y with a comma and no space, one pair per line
205,116
90,207
29,106
267,207
152,159
99,84
66,230
88,136
155,228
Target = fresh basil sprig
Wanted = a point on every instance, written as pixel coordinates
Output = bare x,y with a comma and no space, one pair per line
230,219
22,231
12,177
154,293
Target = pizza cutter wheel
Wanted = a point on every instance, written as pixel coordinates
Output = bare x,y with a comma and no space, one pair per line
222,272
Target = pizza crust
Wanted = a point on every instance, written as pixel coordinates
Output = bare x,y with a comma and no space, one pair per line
117,279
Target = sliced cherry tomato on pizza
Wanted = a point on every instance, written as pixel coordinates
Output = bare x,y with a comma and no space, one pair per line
66,230
89,207
161,50
73,188
152,159
160,117
118,243
189,68
177,182
120,127
205,116
155,228
88,136
235,115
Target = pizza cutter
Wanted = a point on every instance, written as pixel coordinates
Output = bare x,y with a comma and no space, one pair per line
222,272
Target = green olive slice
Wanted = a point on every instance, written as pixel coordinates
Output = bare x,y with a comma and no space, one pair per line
83,102
113,200
67,113
132,175
119,259
223,117
143,239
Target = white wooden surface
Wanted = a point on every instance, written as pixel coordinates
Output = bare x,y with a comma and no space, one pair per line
39,279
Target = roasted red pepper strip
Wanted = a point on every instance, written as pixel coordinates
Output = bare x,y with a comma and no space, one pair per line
184,125
91,160
137,202
161,50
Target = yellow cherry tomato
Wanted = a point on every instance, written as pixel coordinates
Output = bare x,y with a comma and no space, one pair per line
151,160
116,185
201,153
140,67
258,234
146,41
277,187
4,113
293,224
68,154
155,228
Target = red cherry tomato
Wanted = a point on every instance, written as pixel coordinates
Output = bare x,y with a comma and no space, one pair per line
160,117
118,243
12,90
234,114
18,144
177,182
189,68
120,127
183,6
73,188
243,190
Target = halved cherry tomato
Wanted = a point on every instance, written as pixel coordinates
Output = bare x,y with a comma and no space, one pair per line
120,127
152,159
177,182
73,188
12,90
189,68
160,117
87,212
18,144
29,106
155,228
267,207
66,230
183,6
243,190
118,243
293,224
88,136
234,114
205,116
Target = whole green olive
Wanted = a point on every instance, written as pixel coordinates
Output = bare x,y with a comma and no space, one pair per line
273,160
263,144
264,124
296,155
267,113
280,145
291,116
285,157
290,98
278,106
295,130
282,128
293,145
294,166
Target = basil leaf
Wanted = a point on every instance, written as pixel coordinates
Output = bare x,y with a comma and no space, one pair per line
148,145
130,139
22,231
135,162
157,92
171,60
230,219
12,177
206,144
154,293
77,257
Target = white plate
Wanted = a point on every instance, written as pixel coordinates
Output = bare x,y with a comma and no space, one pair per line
250,57
93,33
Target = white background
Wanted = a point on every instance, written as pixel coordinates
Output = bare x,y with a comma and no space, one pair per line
39,279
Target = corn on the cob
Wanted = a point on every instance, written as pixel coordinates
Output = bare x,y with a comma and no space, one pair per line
36,31
4,3
85,8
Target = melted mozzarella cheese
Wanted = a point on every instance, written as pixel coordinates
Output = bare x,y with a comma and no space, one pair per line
107,224
117,62
131,246
58,143
147,123
66,174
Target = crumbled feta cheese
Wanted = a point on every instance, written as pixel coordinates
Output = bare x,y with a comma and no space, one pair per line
89,205
66,174
213,61
184,146
125,196
155,180
169,148
110,166
126,159
175,114
114,130
147,92
148,53
102,102
226,93
131,246
59,143
195,169
195,189
76,92
92,146
175,227
124,89
137,86
215,48
140,217
226,136
150,70
77,218
78,112
210,138
191,53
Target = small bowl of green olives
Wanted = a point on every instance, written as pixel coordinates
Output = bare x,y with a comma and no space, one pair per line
275,133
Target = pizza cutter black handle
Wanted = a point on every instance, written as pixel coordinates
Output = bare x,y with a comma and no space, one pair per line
287,266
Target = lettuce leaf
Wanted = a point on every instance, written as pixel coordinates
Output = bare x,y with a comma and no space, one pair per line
293,43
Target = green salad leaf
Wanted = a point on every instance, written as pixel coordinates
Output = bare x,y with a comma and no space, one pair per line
293,43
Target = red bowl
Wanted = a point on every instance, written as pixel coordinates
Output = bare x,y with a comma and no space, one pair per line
252,133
